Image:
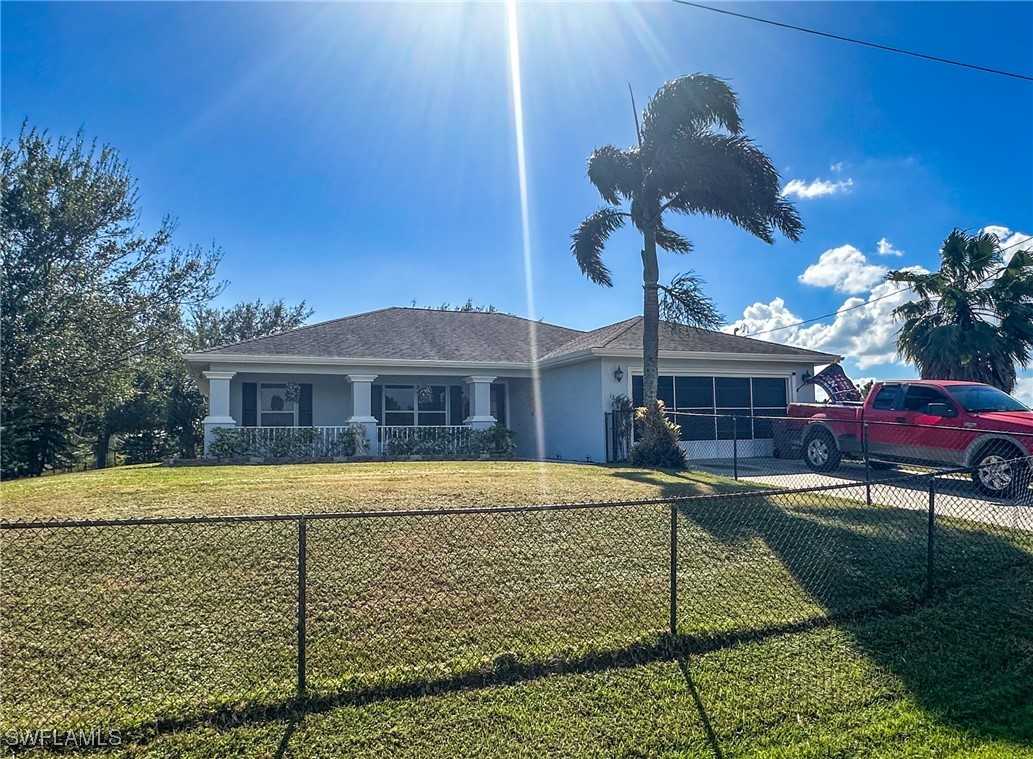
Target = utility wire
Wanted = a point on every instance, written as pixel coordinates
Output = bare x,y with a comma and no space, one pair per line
859,305
841,38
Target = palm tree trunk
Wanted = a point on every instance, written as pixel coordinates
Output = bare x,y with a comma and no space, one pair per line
650,318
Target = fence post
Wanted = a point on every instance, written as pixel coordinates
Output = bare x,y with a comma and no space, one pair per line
735,447
674,570
929,538
867,465
302,561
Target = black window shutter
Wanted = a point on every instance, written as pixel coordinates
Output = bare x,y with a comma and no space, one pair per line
249,404
305,406
455,405
376,401
499,391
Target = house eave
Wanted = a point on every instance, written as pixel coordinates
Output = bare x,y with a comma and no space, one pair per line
823,358
400,363
518,367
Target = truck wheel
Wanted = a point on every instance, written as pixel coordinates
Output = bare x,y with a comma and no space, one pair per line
997,473
821,452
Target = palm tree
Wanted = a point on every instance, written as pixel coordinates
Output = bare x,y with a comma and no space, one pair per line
973,319
691,158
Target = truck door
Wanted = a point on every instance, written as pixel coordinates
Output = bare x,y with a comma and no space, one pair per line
883,416
937,436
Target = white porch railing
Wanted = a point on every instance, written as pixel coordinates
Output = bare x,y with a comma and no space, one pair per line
300,442
405,441
333,442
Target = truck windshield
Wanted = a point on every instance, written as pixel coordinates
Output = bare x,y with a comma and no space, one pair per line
976,398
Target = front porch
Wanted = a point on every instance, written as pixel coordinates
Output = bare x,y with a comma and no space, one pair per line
332,416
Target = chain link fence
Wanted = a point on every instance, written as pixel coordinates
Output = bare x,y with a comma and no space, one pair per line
150,624
796,452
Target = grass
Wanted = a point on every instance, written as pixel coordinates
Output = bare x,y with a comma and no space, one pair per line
511,634
140,491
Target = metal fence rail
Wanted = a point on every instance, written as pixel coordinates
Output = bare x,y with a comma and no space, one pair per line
152,622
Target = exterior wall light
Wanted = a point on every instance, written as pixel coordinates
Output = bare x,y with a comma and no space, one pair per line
618,373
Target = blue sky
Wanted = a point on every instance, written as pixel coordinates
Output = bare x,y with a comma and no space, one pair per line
363,155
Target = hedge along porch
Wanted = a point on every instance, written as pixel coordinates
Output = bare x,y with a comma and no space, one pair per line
399,372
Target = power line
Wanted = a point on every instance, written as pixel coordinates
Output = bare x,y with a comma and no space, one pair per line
824,316
859,305
841,38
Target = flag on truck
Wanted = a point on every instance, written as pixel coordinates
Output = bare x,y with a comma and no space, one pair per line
833,380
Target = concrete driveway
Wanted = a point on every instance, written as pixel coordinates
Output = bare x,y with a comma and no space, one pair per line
956,495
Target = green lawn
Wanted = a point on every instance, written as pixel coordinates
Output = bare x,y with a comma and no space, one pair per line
139,491
802,630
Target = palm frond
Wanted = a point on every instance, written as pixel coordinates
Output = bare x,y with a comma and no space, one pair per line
973,319
671,241
728,177
693,102
590,238
616,173
684,302
786,219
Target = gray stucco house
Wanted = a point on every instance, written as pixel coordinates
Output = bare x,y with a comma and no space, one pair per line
396,369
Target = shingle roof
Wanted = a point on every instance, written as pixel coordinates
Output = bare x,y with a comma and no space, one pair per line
627,335
415,334
418,334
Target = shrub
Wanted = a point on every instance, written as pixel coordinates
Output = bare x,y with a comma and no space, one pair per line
658,440
434,441
147,446
497,439
285,443
423,441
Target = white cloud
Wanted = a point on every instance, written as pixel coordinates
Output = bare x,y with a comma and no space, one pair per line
846,269
837,167
1010,241
885,248
863,329
817,188
1024,389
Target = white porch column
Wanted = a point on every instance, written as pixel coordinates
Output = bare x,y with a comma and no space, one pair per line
480,403
362,407
218,405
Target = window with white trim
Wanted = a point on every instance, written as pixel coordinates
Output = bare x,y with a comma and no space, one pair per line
415,405
277,404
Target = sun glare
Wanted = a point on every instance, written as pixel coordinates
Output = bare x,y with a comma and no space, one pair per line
525,226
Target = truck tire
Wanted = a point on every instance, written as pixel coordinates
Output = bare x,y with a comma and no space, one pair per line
820,451
996,471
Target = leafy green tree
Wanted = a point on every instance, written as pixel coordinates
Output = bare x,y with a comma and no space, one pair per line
973,319
87,295
211,327
691,158
163,416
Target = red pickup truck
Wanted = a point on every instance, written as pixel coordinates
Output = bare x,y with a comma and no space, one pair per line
927,422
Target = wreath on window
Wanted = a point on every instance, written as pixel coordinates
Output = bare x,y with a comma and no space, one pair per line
292,394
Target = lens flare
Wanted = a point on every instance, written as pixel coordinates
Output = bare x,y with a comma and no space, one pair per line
525,223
